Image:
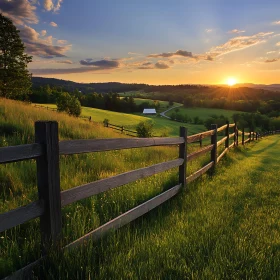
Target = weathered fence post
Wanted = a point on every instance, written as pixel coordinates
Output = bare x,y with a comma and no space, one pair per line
235,136
227,135
122,129
200,141
183,155
243,136
214,142
253,135
250,136
48,180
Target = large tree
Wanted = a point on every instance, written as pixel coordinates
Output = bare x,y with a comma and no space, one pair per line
15,80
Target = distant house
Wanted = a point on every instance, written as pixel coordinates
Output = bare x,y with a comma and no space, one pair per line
149,112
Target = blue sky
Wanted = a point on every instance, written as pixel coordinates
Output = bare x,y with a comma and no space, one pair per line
150,41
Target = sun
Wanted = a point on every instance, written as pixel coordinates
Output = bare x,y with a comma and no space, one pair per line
231,81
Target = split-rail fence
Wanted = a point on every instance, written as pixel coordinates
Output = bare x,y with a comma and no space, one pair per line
47,149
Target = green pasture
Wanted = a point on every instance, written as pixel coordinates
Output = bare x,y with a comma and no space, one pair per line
224,225
204,113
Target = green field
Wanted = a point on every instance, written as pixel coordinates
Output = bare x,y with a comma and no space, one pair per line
204,113
162,126
224,226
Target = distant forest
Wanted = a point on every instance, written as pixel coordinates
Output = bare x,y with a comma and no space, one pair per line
104,95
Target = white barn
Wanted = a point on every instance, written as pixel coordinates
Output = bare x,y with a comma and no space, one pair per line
149,112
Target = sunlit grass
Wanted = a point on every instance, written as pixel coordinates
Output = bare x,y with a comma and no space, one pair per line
221,227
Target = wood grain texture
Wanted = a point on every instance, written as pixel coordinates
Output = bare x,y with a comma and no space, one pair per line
231,125
20,152
194,155
199,136
84,191
222,154
200,172
246,141
221,141
126,217
21,215
48,177
97,145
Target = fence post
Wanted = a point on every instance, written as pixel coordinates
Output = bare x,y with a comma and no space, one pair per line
253,134
214,142
243,136
48,180
200,141
250,136
122,129
234,137
183,155
227,135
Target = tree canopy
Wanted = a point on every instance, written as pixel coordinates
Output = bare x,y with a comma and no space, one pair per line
15,80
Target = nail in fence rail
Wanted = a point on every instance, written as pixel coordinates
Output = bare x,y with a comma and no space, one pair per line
48,177
46,150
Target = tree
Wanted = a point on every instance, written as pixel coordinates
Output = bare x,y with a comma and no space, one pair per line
15,80
144,129
69,104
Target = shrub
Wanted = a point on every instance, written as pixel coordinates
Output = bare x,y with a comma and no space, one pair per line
106,122
144,129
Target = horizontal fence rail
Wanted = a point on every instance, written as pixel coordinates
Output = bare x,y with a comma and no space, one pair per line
47,149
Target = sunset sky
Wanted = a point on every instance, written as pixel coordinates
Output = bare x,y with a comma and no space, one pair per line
150,41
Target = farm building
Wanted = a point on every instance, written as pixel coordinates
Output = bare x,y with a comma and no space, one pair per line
149,112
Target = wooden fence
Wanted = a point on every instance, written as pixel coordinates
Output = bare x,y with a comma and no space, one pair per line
47,149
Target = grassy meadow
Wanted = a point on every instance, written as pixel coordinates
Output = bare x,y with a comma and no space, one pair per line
224,226
204,113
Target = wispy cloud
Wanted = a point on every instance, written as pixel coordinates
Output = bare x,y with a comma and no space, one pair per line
170,54
19,11
43,32
62,42
208,30
51,5
53,24
277,22
161,65
52,61
100,64
236,31
41,47
239,43
277,44
272,60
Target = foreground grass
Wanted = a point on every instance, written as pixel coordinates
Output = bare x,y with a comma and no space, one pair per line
221,227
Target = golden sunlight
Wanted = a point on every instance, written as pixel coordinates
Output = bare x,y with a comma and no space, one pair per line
231,81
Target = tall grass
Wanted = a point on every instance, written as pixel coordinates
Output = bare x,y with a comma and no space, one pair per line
220,227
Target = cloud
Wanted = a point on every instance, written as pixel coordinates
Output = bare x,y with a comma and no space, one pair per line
161,65
100,64
53,61
276,22
271,60
62,42
49,5
133,53
19,11
40,47
271,52
208,30
277,44
239,43
53,24
236,31
43,32
170,54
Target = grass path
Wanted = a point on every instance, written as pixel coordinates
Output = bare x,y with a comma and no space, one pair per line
224,227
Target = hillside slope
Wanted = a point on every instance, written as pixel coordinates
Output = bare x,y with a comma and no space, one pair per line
225,227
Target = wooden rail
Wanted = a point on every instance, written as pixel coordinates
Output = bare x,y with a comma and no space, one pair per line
50,201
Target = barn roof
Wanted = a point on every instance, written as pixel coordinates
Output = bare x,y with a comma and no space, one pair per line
149,111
